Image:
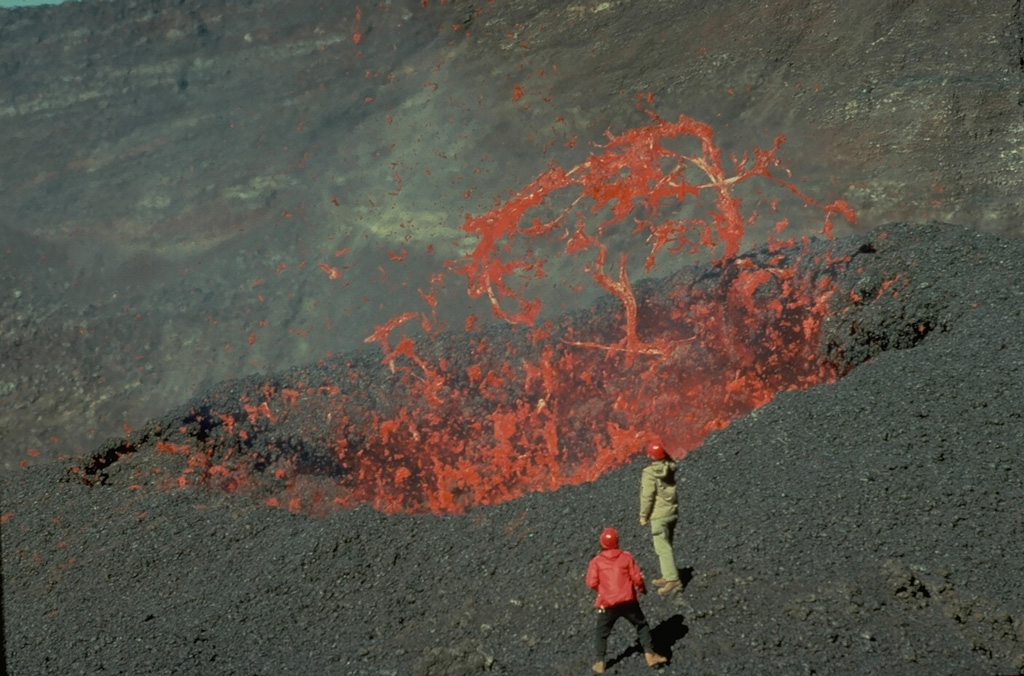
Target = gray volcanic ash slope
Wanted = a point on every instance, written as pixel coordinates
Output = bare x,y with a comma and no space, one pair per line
870,526
173,170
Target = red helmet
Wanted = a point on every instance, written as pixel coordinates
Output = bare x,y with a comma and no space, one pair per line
655,451
609,539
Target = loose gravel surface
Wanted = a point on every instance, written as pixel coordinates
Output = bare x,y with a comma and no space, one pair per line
863,527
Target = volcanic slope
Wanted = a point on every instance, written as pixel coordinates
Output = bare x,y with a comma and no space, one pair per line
869,526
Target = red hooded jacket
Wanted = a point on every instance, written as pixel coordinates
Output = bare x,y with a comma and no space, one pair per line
616,578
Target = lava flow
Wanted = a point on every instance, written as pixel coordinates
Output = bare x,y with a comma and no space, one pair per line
446,420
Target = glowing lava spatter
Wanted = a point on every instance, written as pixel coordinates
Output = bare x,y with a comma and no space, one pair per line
637,174
456,419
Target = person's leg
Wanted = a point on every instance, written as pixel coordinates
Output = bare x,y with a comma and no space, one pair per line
635,615
602,630
662,531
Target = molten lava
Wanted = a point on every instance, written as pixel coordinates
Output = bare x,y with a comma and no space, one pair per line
485,415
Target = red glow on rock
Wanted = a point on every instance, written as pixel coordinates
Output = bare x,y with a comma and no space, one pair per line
168,447
261,410
332,272
357,35
229,423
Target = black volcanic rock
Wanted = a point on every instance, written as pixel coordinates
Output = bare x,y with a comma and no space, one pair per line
868,526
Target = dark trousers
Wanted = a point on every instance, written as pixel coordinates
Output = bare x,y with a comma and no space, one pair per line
606,618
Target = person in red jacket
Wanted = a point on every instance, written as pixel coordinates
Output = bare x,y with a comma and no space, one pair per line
616,578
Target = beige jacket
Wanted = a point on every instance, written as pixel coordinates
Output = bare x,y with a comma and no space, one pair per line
658,491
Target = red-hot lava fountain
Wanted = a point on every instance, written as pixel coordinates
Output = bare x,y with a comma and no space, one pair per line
451,419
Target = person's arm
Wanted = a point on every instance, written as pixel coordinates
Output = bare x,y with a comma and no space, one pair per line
647,490
593,579
636,576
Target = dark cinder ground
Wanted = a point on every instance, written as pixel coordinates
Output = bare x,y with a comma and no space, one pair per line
870,526
172,173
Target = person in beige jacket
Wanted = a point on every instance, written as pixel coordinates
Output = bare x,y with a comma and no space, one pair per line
658,506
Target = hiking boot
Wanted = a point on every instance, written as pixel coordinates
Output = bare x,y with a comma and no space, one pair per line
598,667
655,660
659,582
670,586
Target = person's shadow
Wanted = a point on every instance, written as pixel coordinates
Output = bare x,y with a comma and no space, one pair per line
667,633
685,576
